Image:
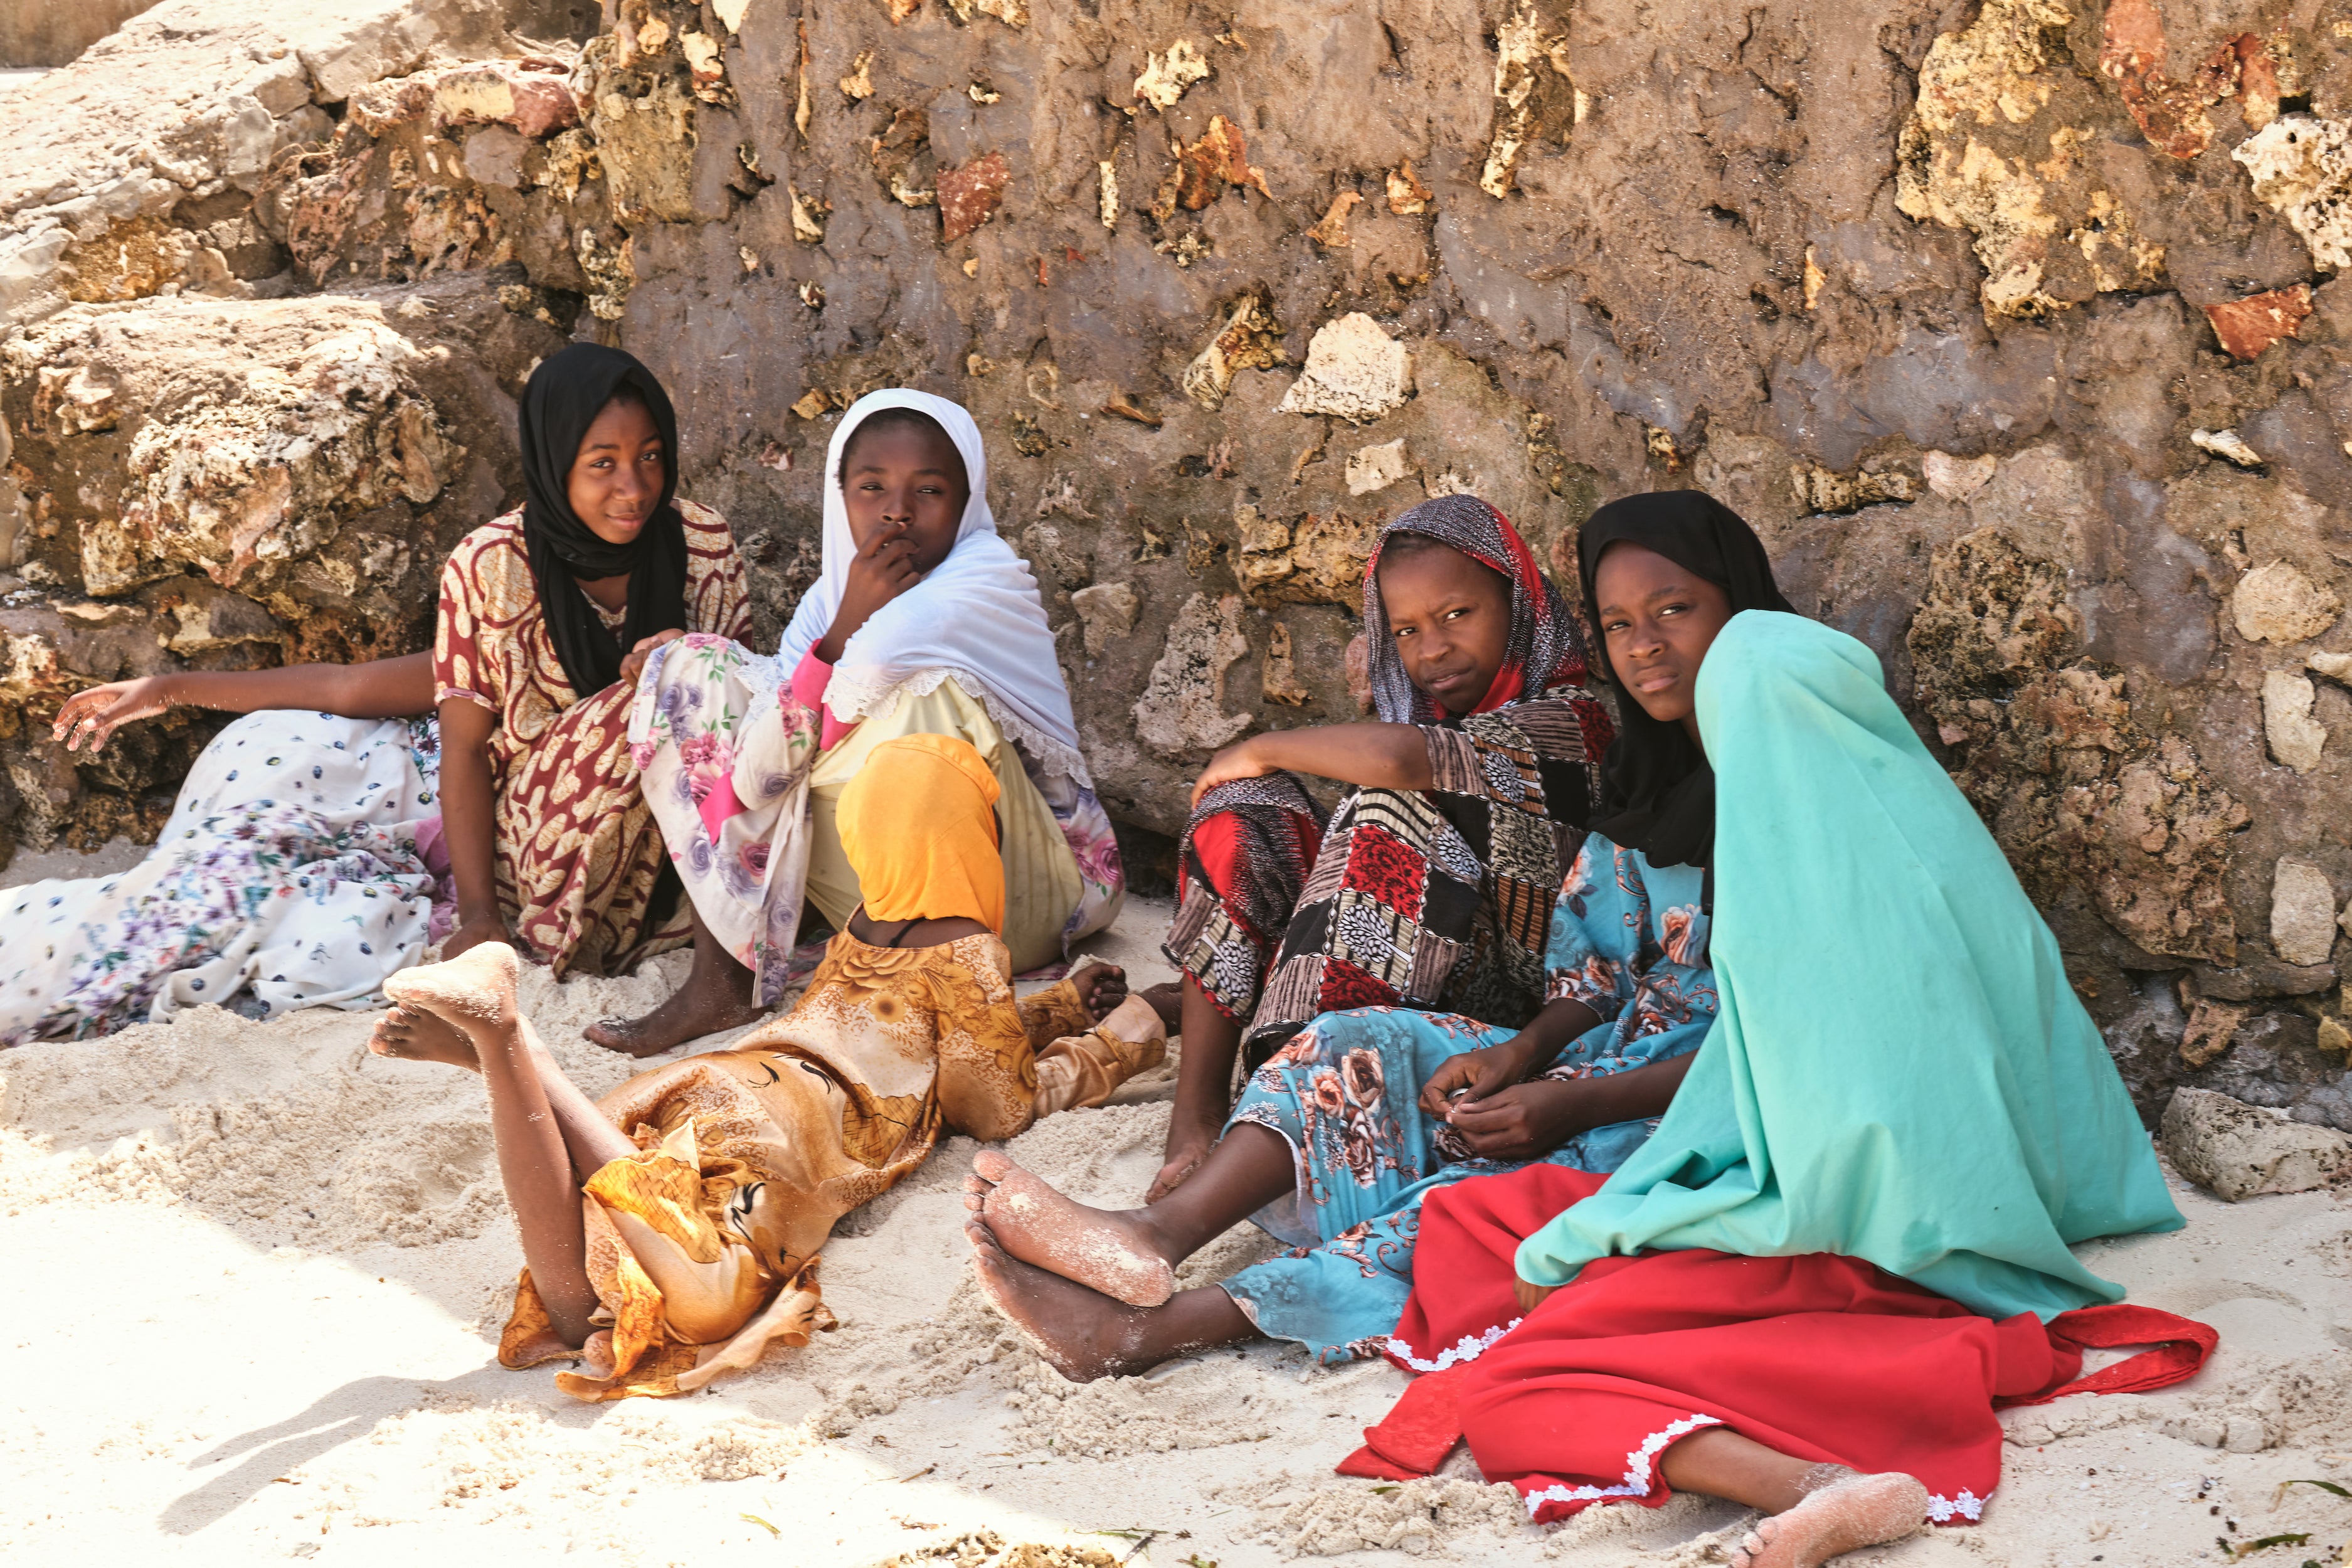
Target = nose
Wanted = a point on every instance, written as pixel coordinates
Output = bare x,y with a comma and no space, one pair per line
899,504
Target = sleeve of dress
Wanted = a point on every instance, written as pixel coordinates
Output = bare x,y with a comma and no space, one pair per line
1577,968
1542,755
988,1069
1053,1013
719,588
460,668
810,679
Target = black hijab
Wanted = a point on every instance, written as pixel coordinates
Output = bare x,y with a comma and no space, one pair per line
565,395
1657,794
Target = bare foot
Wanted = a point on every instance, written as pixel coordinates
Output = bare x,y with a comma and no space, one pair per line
1844,1516
410,1033
1167,999
1106,1251
1082,1332
705,1004
474,993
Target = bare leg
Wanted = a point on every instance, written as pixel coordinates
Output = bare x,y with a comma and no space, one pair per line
1204,1081
475,994
717,995
1131,1254
1087,1335
1819,1511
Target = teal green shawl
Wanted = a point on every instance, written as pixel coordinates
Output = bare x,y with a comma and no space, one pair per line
1899,1071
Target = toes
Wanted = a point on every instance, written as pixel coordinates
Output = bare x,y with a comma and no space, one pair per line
991,1165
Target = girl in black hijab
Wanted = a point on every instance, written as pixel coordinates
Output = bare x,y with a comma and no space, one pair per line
565,395
546,615
1657,793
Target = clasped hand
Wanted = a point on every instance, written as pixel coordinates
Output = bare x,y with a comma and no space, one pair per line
1482,1096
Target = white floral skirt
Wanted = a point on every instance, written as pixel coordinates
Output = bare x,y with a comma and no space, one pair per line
733,775
289,876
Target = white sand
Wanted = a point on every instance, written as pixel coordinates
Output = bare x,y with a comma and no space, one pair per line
253,1279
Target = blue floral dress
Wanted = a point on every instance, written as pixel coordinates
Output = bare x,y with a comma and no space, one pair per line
1628,939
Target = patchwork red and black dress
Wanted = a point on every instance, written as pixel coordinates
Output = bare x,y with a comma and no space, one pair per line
1825,1357
1439,899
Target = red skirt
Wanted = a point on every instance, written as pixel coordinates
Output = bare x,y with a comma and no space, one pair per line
1827,1359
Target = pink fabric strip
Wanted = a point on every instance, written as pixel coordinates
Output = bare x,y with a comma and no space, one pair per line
809,682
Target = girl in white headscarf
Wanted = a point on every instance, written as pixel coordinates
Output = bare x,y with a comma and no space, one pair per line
922,621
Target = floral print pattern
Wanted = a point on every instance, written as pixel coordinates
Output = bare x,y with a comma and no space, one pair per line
1626,938
725,751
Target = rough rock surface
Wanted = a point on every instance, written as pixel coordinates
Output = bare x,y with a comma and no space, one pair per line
2239,1150
2015,329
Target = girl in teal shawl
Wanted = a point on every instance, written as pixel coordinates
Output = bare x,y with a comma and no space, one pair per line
1898,1075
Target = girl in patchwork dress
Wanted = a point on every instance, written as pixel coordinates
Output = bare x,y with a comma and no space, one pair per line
1432,885
670,1229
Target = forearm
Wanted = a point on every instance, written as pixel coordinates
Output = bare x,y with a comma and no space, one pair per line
1552,1030
1371,757
383,689
1630,1096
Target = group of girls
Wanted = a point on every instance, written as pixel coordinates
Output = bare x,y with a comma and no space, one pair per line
1744,1130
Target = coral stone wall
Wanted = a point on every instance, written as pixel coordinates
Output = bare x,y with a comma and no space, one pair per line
2016,330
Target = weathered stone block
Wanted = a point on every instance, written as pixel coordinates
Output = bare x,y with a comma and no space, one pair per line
2302,913
2238,1150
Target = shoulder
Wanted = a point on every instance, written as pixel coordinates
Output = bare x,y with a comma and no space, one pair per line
500,537
704,528
491,570
1566,726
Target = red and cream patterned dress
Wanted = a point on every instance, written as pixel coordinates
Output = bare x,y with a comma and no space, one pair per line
578,849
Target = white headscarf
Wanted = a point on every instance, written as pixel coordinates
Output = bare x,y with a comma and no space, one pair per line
977,616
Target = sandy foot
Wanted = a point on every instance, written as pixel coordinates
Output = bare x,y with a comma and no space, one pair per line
1867,1510
1082,1332
410,1033
1096,1248
475,991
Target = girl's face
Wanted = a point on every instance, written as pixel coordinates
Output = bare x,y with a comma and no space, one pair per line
1451,618
1657,621
617,476
905,479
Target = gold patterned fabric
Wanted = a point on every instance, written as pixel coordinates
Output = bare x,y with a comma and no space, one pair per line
702,1244
578,849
